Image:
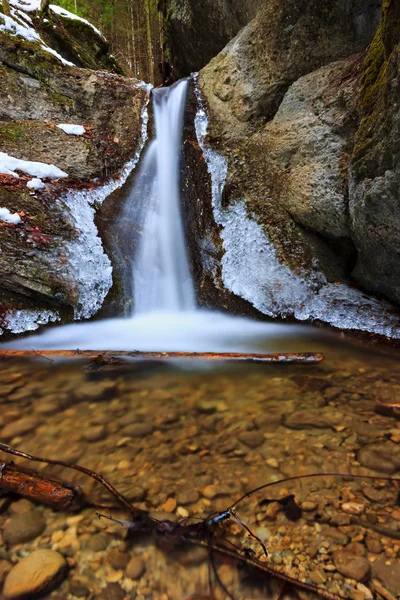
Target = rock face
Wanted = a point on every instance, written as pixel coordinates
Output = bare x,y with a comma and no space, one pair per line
40,257
375,197
197,31
282,103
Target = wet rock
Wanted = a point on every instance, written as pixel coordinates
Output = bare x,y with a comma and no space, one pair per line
340,519
350,565
252,439
24,527
332,393
308,419
353,508
380,457
311,384
213,491
94,433
5,568
382,591
373,545
111,592
98,542
193,557
19,427
135,568
317,576
138,429
186,497
334,535
387,572
118,559
38,573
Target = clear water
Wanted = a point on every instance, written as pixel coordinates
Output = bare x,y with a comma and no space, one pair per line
189,442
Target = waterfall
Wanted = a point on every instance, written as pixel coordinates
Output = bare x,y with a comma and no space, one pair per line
164,315
160,268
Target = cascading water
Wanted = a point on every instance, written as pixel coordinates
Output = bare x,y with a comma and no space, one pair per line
164,316
161,274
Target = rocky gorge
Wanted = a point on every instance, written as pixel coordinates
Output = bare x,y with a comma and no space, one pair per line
289,150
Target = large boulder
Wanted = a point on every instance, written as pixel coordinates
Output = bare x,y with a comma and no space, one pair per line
52,259
282,113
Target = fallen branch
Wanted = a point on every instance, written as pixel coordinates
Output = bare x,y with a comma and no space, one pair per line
282,357
36,487
137,513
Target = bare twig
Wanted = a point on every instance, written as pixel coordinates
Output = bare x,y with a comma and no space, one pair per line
136,512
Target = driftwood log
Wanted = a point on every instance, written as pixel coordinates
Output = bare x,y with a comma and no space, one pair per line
281,357
39,488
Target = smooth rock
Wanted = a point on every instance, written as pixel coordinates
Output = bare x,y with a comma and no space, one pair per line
20,427
38,573
380,457
94,433
24,527
111,592
350,565
308,419
138,429
135,568
252,439
387,574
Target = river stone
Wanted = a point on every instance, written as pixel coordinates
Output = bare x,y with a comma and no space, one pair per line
351,565
252,439
38,573
135,568
308,419
111,592
380,457
20,427
387,574
24,527
138,429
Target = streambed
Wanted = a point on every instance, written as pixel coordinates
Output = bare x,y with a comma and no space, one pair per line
187,442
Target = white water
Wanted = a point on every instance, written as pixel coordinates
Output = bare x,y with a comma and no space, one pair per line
161,275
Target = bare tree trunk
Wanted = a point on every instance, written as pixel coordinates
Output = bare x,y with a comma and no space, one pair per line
6,8
150,57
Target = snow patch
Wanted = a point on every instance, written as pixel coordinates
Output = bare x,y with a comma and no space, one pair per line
251,269
15,26
8,217
9,164
18,321
72,129
63,12
35,184
26,5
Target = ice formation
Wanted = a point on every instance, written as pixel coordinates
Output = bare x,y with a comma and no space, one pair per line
251,269
18,321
